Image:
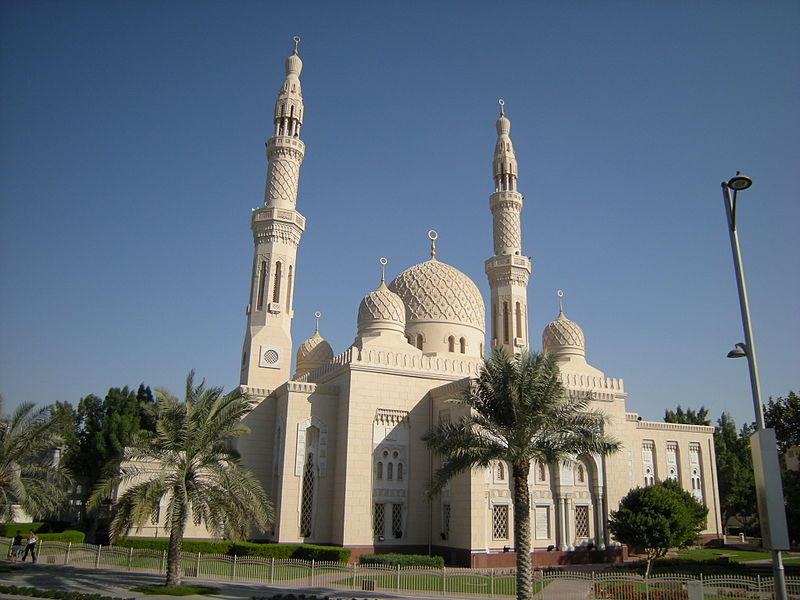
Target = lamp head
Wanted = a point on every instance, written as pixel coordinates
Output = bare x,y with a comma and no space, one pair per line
739,351
739,182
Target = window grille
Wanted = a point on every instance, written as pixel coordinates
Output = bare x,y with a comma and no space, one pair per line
307,502
445,521
582,521
580,474
378,518
155,516
501,471
500,521
397,520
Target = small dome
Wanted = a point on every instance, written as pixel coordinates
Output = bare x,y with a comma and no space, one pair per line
313,353
381,309
434,291
293,65
563,336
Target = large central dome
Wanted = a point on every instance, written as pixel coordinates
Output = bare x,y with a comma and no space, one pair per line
434,291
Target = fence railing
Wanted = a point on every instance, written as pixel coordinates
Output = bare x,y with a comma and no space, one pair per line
549,584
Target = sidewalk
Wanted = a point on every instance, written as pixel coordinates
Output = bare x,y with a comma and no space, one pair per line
119,583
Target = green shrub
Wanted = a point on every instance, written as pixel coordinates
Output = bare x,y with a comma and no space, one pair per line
323,553
276,551
403,560
190,546
57,594
10,529
68,535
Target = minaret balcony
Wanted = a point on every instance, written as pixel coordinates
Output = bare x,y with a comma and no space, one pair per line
278,214
283,141
507,198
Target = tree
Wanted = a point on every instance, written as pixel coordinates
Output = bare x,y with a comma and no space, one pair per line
518,412
189,461
783,415
737,494
103,428
688,417
30,474
657,518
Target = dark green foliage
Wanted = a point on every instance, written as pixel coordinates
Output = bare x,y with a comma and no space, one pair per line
712,566
57,594
737,494
68,535
10,529
175,590
102,428
657,518
276,551
783,415
791,492
403,560
292,597
688,417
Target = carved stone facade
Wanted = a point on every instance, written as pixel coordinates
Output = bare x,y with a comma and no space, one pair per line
338,445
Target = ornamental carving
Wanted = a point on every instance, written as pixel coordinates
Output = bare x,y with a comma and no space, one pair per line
438,292
383,305
281,181
275,231
507,233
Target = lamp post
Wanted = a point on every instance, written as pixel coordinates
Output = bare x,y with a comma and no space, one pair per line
769,490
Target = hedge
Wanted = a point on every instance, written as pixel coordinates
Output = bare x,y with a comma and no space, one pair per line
277,551
403,560
10,529
58,594
69,535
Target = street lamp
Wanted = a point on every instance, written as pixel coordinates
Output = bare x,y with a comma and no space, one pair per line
769,490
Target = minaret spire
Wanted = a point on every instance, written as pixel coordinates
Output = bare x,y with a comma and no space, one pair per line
277,228
508,270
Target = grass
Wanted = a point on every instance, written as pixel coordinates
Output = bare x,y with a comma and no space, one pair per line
175,590
476,584
733,554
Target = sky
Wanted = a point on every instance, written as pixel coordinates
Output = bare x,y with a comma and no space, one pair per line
132,153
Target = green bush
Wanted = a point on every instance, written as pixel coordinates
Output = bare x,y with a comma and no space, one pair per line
10,529
403,560
712,566
57,594
276,551
68,535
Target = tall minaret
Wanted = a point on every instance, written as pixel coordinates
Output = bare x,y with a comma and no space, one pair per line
508,270
277,228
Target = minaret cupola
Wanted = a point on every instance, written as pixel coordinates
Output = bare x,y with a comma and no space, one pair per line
504,164
289,106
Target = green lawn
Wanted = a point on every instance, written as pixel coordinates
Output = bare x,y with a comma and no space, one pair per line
733,554
430,582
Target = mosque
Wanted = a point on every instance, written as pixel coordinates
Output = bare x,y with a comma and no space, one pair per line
336,444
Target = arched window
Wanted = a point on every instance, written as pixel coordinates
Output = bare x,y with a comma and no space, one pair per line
580,474
505,323
399,471
501,471
262,283
276,287
541,472
463,344
389,471
379,470
307,501
451,344
419,341
519,320
494,321
289,289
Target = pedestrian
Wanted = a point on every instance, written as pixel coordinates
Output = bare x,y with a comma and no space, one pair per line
31,547
16,546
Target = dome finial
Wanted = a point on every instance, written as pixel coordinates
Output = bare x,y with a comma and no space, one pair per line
560,295
296,40
317,315
433,236
383,262
502,103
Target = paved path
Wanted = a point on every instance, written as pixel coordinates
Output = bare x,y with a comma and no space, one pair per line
568,589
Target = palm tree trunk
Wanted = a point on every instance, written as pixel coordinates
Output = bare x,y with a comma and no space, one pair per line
522,530
176,530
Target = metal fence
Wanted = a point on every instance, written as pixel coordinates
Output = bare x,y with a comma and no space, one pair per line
554,584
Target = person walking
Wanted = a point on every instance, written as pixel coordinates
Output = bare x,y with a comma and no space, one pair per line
31,547
16,546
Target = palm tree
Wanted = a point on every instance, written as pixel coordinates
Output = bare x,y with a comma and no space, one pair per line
518,412
30,475
188,460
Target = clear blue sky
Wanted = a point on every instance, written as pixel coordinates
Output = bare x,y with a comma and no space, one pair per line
132,153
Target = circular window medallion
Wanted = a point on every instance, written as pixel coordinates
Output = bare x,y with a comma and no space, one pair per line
270,357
